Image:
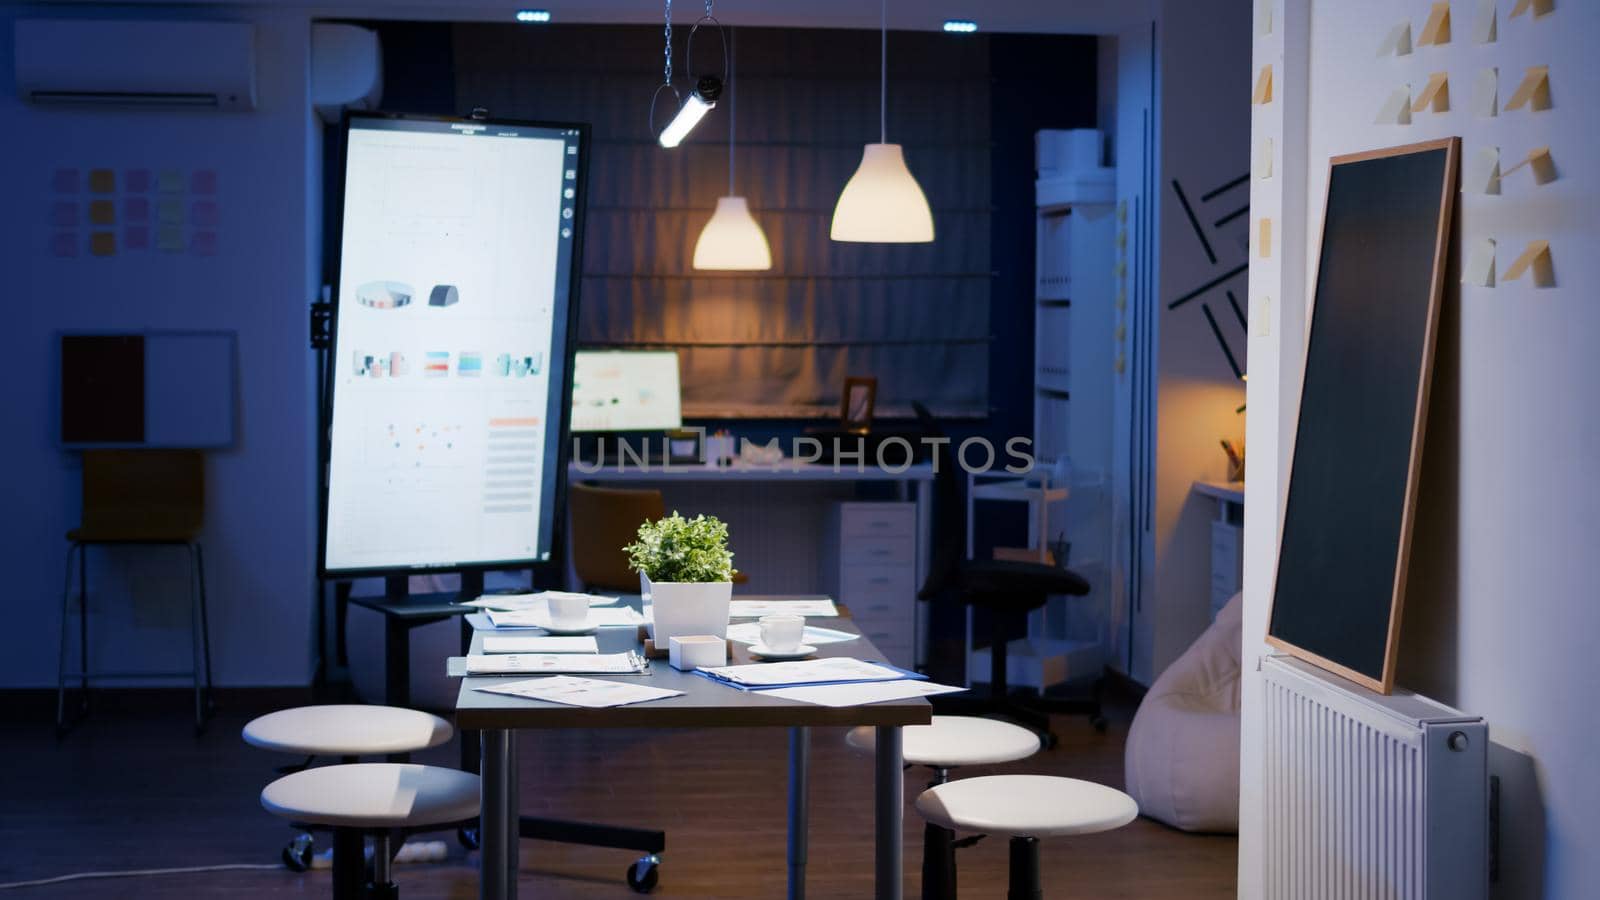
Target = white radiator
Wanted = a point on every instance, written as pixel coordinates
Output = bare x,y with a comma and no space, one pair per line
1370,797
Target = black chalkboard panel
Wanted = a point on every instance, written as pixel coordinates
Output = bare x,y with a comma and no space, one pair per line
1369,357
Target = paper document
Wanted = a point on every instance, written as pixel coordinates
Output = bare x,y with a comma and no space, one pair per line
603,617
628,663
861,694
750,633
511,602
539,644
587,692
832,670
821,607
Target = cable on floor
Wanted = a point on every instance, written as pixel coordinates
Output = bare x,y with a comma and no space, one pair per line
129,873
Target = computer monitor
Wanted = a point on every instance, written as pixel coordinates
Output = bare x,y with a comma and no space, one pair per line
453,326
626,390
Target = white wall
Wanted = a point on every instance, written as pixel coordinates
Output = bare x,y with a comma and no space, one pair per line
260,529
1500,610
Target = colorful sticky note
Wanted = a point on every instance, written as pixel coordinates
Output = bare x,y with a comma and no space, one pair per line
169,211
1539,7
1483,27
64,213
103,243
1436,93
1263,91
203,243
1482,174
136,209
1537,259
1264,242
136,237
1479,269
170,181
1540,163
103,212
136,181
1534,91
1486,92
1397,109
204,214
1263,17
102,181
64,244
1397,42
203,181
64,181
1262,320
1263,160
1437,29
169,238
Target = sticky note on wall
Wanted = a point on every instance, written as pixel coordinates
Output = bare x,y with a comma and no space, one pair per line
1263,91
1264,17
1481,175
1264,238
1536,259
1540,163
102,212
1435,94
102,181
1397,42
1484,27
1539,7
1486,92
1262,165
1437,29
1479,268
1397,109
103,243
1534,91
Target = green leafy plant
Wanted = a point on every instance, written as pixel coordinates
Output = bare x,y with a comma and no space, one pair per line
676,549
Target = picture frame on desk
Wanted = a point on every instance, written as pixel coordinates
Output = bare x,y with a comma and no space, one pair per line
686,445
856,404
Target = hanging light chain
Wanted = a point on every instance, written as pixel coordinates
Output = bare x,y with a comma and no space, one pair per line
667,53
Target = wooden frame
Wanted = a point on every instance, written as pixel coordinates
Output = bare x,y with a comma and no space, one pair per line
856,403
1385,684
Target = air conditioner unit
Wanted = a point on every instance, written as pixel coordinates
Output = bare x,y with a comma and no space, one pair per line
98,62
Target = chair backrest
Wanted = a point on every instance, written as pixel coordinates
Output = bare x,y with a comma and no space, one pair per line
948,546
143,494
604,520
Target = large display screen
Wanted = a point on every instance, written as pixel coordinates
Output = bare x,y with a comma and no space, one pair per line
449,379
635,390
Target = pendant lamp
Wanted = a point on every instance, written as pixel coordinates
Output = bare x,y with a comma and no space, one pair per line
732,240
882,203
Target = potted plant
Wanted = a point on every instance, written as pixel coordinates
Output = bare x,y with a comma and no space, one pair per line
685,574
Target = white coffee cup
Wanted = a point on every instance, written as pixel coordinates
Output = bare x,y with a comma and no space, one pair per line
569,613
782,633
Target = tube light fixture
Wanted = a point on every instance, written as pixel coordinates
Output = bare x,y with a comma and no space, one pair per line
960,26
701,100
533,16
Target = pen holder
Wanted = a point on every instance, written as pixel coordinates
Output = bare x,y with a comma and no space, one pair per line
696,651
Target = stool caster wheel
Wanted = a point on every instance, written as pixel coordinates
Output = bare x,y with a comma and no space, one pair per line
298,852
643,874
467,837
1098,722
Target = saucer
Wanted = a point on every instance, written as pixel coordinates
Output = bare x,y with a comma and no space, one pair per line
552,628
800,652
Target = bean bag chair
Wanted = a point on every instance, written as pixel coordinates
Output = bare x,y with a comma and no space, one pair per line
1183,748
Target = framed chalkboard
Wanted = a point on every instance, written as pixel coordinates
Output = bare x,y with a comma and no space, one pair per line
1353,476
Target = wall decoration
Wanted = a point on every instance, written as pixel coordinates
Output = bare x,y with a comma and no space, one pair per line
1264,239
1263,17
1397,42
1535,259
102,212
136,209
1479,268
1437,29
136,237
1263,91
64,214
856,403
1534,91
1263,162
1486,92
136,181
170,181
1483,27
169,238
1206,245
64,181
102,181
64,244
169,211
1482,173
1435,94
1539,7
103,243
1539,162
1397,109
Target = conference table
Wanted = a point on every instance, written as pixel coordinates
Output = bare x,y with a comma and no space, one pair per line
704,704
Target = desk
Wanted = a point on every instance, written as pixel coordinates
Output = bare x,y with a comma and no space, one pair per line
704,704
802,524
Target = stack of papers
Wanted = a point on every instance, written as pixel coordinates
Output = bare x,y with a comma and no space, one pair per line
539,644
830,670
862,693
750,633
821,607
591,693
603,617
539,600
628,663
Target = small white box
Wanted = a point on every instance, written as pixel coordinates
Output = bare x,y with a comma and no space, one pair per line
697,651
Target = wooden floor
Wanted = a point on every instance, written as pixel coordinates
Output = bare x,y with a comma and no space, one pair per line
136,792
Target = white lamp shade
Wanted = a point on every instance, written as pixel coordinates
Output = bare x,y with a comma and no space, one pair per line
882,202
732,240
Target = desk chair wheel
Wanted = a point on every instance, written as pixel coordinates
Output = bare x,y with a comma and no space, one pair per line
644,874
467,837
298,852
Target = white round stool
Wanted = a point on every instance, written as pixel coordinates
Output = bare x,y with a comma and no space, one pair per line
347,730
947,743
371,798
1026,808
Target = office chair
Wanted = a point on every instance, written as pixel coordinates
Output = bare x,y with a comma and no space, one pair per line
138,498
1005,589
604,520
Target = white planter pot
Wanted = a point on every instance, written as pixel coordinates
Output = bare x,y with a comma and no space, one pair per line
679,608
